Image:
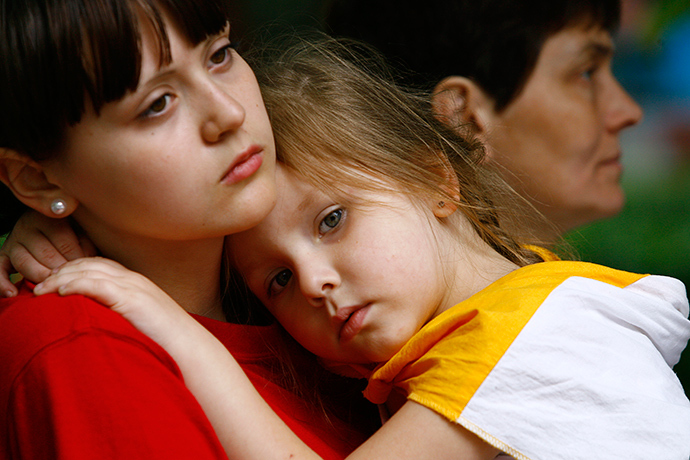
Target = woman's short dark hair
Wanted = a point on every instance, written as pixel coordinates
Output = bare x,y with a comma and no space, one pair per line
495,43
60,55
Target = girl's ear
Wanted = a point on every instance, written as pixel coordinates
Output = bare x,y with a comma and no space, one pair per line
457,101
28,181
443,209
440,206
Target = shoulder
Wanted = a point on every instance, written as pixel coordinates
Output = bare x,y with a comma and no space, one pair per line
51,316
31,325
592,280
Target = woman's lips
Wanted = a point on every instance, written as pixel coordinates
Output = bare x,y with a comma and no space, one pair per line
245,165
614,160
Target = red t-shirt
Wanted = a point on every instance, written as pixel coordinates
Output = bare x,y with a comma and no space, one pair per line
77,381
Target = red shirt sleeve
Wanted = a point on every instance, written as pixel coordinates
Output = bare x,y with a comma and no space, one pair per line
84,384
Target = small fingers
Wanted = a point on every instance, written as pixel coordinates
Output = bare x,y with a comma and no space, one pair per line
47,240
71,272
100,289
7,288
65,241
92,264
92,268
25,263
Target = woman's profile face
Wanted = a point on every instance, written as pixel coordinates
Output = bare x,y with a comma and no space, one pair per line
559,139
188,155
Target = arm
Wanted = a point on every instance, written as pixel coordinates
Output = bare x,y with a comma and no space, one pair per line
246,426
37,245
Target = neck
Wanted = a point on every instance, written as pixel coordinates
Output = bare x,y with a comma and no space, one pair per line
188,271
532,226
473,265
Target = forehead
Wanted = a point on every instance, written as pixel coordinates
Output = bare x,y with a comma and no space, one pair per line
573,44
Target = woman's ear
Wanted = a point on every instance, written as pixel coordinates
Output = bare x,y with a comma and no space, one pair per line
458,100
27,180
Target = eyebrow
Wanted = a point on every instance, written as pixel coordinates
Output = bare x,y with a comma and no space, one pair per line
308,199
598,50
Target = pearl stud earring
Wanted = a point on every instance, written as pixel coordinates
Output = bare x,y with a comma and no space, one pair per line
58,206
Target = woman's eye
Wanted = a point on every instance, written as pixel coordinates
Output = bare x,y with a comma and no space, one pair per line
158,106
223,54
331,221
590,71
279,282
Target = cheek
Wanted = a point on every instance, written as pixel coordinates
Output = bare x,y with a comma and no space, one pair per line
550,143
246,91
550,121
304,327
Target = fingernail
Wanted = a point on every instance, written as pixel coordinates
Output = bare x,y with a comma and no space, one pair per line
38,288
8,294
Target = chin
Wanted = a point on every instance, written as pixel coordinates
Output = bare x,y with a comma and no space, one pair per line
613,202
607,208
257,208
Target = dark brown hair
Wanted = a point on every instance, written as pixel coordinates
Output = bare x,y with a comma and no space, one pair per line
60,55
496,43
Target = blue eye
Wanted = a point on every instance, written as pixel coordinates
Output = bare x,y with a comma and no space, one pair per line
331,221
279,282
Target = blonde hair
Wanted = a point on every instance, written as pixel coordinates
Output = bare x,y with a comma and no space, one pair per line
340,119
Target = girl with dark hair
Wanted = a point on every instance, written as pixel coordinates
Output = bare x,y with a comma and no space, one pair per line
137,119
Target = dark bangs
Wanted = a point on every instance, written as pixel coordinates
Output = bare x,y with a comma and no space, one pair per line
603,14
535,22
59,55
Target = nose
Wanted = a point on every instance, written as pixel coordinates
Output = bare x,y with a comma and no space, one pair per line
622,110
317,280
222,113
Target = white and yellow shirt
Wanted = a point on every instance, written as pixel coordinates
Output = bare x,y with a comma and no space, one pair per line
556,360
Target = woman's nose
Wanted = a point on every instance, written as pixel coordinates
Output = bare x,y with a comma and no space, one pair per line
223,114
622,110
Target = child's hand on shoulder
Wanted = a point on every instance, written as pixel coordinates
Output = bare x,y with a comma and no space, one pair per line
36,245
128,293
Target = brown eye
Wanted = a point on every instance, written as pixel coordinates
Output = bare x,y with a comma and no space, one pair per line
221,55
158,106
